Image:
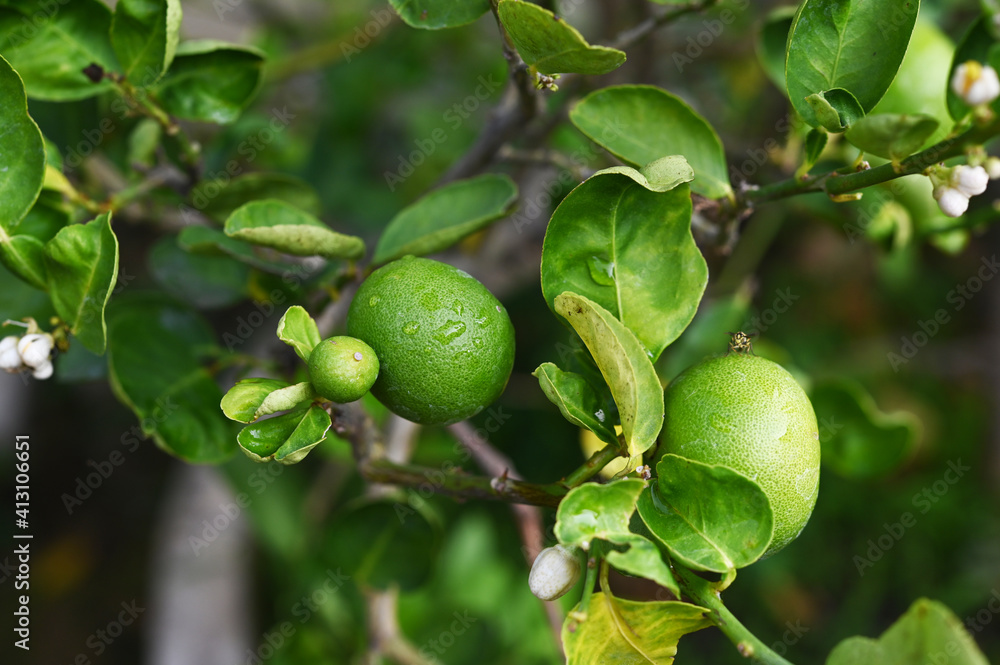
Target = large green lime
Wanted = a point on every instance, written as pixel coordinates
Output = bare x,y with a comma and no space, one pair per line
445,345
749,414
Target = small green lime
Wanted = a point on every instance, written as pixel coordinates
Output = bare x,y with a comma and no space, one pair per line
445,343
749,414
343,369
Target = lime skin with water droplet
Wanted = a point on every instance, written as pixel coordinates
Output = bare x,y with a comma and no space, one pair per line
342,369
749,414
444,342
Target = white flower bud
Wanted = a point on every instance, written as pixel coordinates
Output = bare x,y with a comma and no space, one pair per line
10,359
35,349
555,571
43,371
975,83
951,201
993,165
970,180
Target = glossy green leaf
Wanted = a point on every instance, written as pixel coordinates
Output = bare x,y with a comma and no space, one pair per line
154,350
385,543
206,282
241,402
211,81
631,251
975,44
24,256
81,263
892,136
661,175
857,439
50,44
298,330
437,14
208,240
709,517
815,143
856,45
597,511
219,197
445,216
639,124
625,366
287,438
284,227
642,558
628,631
552,46
835,110
284,399
22,152
771,42
929,633
577,400
144,34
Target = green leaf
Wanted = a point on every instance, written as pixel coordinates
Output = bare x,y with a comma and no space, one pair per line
154,346
437,14
207,282
642,559
298,330
552,46
144,34
22,152
577,400
24,256
244,398
709,517
276,224
771,42
815,143
50,45
206,240
975,44
445,216
856,45
597,511
628,631
892,136
211,81
631,251
929,632
218,198
639,124
384,543
284,399
81,262
835,110
857,439
662,175
625,366
143,142
287,438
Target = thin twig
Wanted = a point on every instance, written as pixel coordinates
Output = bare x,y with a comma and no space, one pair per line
636,34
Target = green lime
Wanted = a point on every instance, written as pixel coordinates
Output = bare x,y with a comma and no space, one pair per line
445,344
343,369
749,414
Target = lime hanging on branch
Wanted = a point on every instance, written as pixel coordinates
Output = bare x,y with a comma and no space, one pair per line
749,414
445,344
342,369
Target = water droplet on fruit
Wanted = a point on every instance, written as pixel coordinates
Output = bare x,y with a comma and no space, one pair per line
498,308
477,342
447,333
374,300
457,307
601,271
463,273
411,328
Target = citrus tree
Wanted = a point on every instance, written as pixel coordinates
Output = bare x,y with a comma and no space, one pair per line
256,293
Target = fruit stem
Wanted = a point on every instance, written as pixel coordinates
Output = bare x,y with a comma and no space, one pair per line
593,465
749,645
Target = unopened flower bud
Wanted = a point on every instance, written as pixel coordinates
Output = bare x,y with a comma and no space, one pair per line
970,180
35,349
975,83
555,571
10,359
951,201
43,371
